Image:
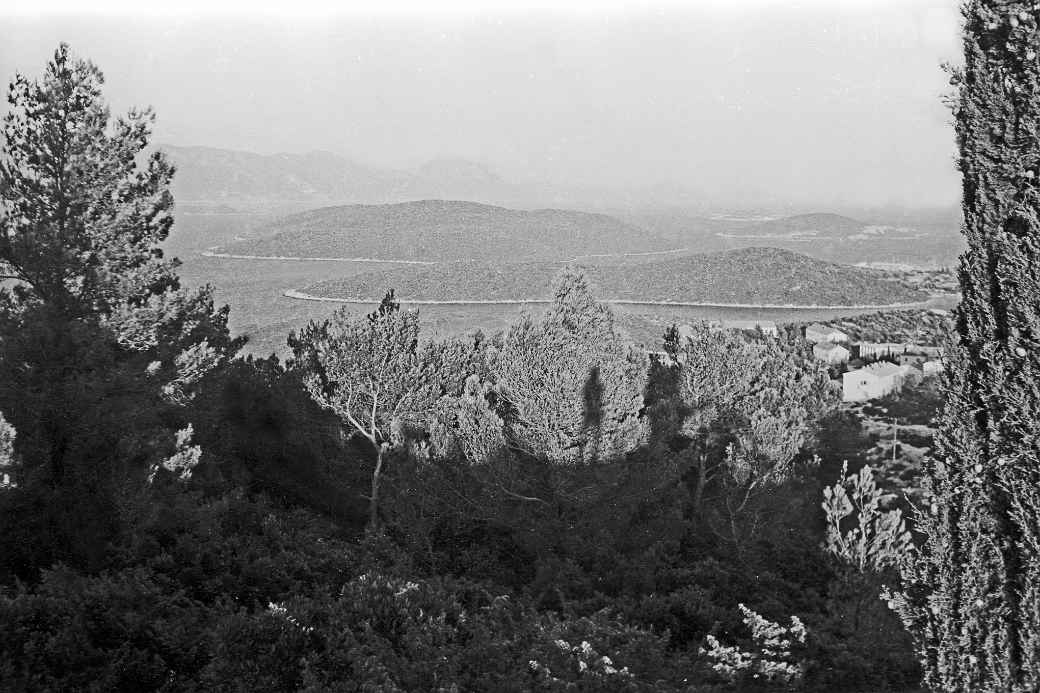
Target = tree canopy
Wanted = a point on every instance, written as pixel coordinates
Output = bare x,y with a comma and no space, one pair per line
100,348
972,593
574,385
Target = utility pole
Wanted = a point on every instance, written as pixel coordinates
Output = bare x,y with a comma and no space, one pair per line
895,437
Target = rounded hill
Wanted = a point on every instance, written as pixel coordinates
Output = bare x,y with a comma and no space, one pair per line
748,276
446,231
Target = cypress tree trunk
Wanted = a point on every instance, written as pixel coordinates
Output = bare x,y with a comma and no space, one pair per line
972,594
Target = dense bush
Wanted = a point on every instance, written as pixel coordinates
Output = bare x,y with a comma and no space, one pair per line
234,594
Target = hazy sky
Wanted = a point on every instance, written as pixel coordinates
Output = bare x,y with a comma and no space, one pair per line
822,102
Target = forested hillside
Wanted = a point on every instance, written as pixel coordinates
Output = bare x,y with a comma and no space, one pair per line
445,231
746,276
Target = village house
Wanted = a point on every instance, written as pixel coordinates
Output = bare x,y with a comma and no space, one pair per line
768,327
818,334
872,381
868,350
932,368
831,354
910,359
881,349
932,351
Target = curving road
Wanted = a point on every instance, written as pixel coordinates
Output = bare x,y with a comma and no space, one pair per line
293,293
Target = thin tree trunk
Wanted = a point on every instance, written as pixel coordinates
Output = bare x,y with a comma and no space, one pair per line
373,502
702,481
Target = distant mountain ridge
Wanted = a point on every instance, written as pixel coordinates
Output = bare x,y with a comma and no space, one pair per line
446,231
225,176
210,174
748,276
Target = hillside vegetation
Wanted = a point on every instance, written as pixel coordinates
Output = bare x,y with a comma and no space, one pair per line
749,275
445,231
924,327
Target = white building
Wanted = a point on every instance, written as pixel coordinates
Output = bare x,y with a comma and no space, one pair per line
768,327
822,333
879,349
876,380
932,351
831,353
932,367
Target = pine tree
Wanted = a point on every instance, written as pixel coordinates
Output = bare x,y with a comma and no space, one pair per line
373,373
749,406
574,385
100,347
972,594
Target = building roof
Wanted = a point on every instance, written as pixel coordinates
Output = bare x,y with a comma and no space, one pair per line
882,369
820,329
749,324
828,347
764,326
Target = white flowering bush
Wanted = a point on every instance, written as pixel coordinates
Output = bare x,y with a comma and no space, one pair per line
191,366
582,660
774,655
183,461
280,610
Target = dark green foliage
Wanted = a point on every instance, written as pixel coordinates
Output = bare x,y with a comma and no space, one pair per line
148,620
260,430
971,597
100,350
622,536
237,595
386,307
